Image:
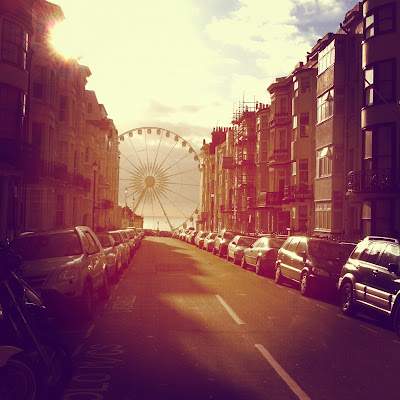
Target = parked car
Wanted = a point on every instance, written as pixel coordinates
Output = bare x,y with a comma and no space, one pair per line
112,253
313,262
191,236
123,245
371,279
208,244
236,247
131,234
262,254
128,241
66,267
199,239
221,242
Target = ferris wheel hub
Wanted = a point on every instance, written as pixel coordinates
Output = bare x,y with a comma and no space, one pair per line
149,181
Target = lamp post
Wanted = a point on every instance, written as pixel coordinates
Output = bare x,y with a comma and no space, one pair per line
126,203
95,168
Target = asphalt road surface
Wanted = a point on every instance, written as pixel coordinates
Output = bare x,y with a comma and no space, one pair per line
184,324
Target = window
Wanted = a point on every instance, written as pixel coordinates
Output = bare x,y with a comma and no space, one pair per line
303,171
304,124
391,255
305,85
378,148
282,140
325,105
37,134
326,57
12,111
380,83
324,162
380,20
303,218
63,109
14,45
323,214
282,104
296,88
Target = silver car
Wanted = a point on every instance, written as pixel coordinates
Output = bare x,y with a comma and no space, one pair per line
65,266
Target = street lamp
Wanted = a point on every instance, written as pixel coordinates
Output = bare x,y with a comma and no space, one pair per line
95,168
126,203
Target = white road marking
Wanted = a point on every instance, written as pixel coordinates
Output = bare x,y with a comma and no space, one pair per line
396,341
89,331
320,306
305,298
229,309
295,388
343,316
77,350
369,329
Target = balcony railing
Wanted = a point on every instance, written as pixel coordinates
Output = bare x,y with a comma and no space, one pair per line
373,181
278,155
60,172
273,198
298,192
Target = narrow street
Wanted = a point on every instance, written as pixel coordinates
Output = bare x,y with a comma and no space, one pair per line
185,324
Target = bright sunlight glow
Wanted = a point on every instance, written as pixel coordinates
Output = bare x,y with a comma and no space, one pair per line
61,38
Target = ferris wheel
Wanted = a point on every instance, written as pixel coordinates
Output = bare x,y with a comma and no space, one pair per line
159,173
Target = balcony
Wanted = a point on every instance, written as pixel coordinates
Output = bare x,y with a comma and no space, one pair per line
373,181
273,198
280,119
298,192
60,172
278,155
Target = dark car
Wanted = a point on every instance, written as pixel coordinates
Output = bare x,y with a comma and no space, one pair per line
237,246
262,254
371,279
209,240
222,240
315,263
65,266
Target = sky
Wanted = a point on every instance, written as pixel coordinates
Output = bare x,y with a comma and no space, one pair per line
184,65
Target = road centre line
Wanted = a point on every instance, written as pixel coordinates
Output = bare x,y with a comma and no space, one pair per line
343,316
229,309
282,373
321,306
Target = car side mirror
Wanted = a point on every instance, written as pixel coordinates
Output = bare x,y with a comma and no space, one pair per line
234,243
251,246
304,256
394,268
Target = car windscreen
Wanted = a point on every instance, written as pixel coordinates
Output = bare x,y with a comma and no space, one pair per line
229,235
48,246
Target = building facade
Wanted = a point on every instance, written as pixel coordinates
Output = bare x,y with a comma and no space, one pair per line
51,147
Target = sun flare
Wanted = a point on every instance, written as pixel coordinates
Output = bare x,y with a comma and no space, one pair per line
61,38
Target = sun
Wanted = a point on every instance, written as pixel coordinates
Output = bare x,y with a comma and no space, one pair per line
62,40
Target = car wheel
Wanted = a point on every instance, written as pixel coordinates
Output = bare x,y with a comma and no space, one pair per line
258,267
87,307
347,304
105,288
305,284
396,321
244,264
18,379
220,253
278,275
